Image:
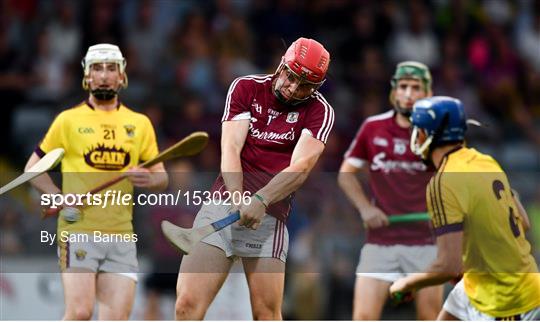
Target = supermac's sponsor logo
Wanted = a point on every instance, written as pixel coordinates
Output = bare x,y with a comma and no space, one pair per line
271,136
107,158
86,130
387,166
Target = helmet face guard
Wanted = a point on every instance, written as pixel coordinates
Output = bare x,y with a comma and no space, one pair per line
442,119
421,150
298,88
103,54
301,72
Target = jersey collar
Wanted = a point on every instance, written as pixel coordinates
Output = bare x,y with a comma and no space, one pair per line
92,107
453,150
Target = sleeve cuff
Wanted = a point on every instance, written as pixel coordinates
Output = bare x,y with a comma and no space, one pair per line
242,116
356,162
39,152
449,229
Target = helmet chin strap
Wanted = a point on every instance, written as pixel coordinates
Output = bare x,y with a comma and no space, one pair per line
428,162
402,110
102,94
277,86
280,97
423,150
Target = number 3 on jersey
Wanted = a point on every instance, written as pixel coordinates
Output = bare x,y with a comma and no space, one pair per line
498,189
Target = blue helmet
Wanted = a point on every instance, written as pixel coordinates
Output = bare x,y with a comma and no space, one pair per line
442,118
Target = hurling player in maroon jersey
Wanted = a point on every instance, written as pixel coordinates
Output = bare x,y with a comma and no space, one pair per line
274,129
397,180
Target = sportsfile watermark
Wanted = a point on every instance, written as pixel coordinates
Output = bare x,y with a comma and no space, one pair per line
326,230
120,198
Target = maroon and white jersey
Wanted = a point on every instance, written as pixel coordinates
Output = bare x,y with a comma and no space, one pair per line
398,178
274,130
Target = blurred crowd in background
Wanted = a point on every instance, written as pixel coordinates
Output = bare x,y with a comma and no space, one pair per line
182,56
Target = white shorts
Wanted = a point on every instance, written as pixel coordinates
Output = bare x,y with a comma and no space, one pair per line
98,256
389,263
458,304
271,239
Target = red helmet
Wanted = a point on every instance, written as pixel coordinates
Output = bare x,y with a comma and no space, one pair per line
307,58
308,61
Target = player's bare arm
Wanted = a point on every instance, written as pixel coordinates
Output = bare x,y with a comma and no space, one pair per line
372,216
154,177
306,153
446,267
43,183
233,137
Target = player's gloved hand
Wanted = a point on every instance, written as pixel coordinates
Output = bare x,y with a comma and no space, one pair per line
399,292
252,213
47,212
71,214
373,217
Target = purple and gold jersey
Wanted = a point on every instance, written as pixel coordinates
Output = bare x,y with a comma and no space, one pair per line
98,145
471,193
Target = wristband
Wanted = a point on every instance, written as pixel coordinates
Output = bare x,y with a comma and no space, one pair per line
261,199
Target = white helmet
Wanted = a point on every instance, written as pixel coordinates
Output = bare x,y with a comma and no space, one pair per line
103,53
